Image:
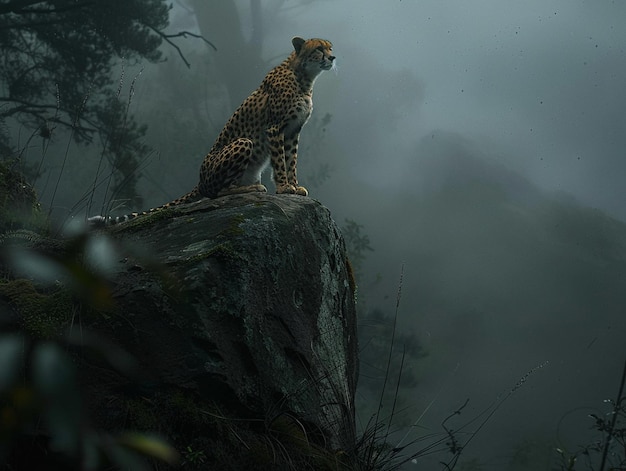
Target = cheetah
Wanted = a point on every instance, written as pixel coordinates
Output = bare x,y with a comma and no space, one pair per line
264,130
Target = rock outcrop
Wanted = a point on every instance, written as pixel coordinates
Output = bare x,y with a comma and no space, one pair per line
240,315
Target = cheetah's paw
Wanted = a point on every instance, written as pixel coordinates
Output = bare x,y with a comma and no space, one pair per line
289,189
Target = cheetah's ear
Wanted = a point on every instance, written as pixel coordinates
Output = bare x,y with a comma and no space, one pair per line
297,43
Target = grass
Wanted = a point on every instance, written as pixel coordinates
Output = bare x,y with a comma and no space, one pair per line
375,449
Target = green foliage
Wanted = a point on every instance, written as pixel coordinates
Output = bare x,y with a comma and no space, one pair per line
42,420
55,75
193,458
56,53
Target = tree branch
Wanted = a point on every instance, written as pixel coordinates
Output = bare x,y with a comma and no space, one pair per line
184,34
35,109
24,106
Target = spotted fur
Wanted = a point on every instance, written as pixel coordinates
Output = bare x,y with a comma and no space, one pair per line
264,130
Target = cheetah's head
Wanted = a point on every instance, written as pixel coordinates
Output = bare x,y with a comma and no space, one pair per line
314,55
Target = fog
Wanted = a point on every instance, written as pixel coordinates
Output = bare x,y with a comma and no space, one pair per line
481,147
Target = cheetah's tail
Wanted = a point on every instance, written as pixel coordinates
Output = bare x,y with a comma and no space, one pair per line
102,221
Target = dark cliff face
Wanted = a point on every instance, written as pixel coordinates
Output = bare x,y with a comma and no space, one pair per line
243,306
238,315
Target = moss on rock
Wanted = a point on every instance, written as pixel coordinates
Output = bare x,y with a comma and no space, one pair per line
43,314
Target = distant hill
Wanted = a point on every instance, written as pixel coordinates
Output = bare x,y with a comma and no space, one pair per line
499,276
479,232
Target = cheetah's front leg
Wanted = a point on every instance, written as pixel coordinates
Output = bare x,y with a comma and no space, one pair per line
291,159
276,140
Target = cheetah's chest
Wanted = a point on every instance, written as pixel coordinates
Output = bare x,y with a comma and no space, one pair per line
298,114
